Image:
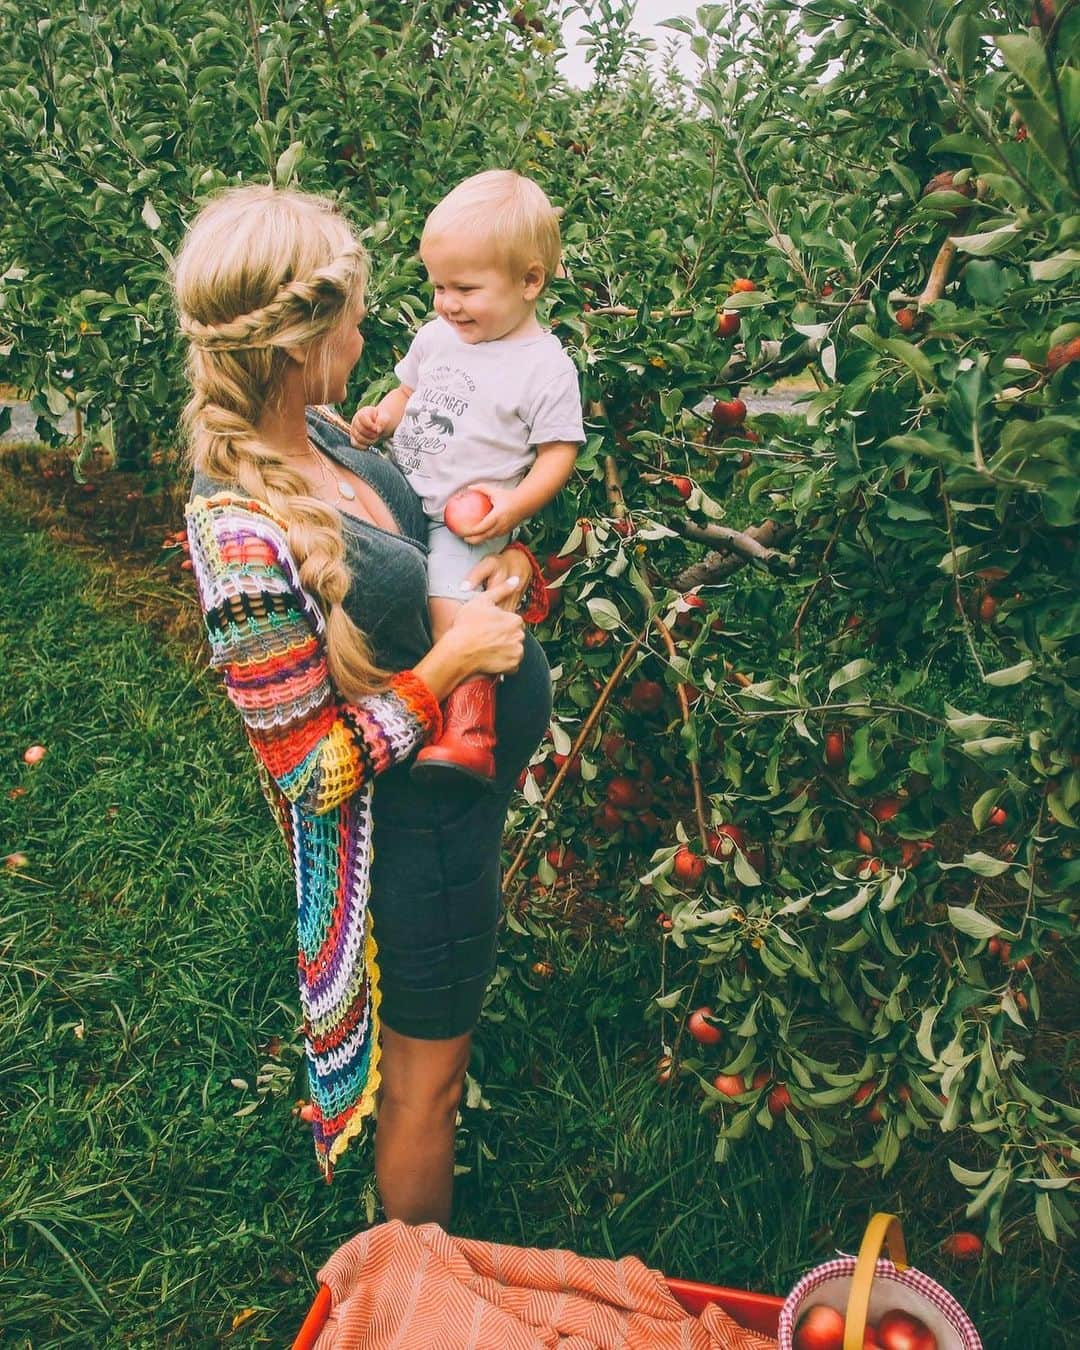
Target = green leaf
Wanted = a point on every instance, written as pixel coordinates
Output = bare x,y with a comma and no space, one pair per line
1026,58
604,613
854,670
850,907
983,805
963,40
1044,1216
1010,674
1053,269
744,870
971,922
287,162
987,243
981,863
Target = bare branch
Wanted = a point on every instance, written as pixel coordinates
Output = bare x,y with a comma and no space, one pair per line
723,563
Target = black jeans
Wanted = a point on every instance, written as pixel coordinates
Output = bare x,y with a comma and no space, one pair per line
436,897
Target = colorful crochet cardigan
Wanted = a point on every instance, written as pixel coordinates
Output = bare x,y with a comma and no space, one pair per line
318,757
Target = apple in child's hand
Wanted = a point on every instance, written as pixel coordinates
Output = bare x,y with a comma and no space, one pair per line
899,1330
465,510
821,1329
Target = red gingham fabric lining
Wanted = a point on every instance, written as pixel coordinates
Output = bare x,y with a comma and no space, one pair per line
915,1280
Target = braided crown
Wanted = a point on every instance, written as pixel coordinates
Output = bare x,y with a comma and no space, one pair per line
266,326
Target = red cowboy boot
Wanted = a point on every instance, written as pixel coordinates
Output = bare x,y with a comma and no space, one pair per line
467,743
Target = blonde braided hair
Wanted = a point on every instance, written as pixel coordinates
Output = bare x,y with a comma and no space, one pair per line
261,270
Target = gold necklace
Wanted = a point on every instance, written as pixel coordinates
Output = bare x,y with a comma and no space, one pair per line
344,490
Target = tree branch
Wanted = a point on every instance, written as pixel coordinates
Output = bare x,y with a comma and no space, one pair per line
723,562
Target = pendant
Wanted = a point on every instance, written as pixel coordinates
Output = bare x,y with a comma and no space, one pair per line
345,490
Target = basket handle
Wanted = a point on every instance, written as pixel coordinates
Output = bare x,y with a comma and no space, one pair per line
883,1231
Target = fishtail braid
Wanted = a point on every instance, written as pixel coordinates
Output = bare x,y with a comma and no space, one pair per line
295,268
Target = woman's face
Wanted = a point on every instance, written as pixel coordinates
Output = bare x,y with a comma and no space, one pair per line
328,370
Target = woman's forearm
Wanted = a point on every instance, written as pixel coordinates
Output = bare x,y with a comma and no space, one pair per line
444,667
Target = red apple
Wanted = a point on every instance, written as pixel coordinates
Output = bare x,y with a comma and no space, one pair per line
562,859
835,750
963,1246
727,323
1062,355
556,565
701,1028
622,793
663,1069
307,1112
688,867
16,860
574,770
997,816
729,412
822,1328
730,1084
898,1330
646,696
886,808
683,486
34,754
613,746
607,819
742,284
779,1100
863,842
465,510
906,319
594,638
725,839
762,1078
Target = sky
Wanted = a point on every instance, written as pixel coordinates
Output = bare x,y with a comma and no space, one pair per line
647,15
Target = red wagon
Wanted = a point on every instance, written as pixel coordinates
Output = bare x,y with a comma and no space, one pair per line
756,1312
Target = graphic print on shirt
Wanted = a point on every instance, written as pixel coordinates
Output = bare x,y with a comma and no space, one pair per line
440,399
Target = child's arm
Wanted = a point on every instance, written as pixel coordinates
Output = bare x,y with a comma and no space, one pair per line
510,506
372,423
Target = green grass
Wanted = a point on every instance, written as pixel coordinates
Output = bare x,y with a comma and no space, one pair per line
148,961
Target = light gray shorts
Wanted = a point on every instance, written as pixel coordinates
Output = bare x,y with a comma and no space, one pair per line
451,559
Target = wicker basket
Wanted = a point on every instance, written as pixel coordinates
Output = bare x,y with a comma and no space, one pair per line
863,1288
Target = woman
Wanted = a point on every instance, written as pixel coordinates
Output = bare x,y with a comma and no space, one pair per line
310,562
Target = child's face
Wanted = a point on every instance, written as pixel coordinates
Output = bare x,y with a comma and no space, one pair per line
476,294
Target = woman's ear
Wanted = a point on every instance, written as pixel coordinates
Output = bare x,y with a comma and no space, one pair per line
297,354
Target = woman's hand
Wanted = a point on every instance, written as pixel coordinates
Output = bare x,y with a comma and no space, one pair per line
484,639
490,573
490,635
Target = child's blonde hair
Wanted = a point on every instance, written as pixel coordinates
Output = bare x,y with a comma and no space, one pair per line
261,270
512,211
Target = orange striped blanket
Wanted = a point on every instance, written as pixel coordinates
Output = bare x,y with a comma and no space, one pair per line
421,1289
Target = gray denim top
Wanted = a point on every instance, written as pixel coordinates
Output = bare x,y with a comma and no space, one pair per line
388,597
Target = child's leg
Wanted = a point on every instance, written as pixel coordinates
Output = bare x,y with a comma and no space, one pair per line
467,743
443,613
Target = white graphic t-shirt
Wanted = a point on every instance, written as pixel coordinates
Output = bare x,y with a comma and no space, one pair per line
478,409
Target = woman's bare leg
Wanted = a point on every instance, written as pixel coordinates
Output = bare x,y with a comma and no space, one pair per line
414,1138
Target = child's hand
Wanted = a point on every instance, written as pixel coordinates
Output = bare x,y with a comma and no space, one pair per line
369,425
502,517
